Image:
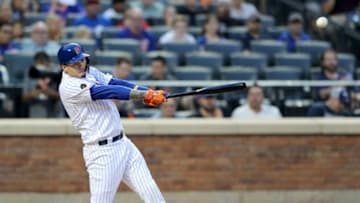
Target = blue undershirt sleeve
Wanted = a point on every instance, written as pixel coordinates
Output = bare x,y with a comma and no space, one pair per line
109,92
125,83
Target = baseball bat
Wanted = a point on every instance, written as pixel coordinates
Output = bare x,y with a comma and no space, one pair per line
212,90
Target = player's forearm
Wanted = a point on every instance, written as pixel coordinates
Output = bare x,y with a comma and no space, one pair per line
125,83
116,92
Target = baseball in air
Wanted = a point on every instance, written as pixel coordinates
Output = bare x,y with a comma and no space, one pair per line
321,22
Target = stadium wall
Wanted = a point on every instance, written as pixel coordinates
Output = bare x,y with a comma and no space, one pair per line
289,160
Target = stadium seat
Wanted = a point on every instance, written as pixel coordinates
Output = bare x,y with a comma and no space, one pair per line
193,73
200,19
157,31
18,65
238,73
110,32
71,18
69,32
346,61
88,45
267,21
109,57
283,73
171,58
127,45
224,47
315,73
314,48
237,32
274,32
139,71
268,47
213,61
116,20
299,60
106,68
195,31
32,18
256,60
180,49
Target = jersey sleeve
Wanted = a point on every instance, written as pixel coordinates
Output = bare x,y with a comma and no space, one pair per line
76,91
100,76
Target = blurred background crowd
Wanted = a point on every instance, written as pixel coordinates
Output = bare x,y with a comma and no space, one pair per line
271,43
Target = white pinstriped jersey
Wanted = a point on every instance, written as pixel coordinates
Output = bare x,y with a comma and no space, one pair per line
95,120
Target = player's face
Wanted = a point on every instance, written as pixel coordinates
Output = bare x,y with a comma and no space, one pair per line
77,69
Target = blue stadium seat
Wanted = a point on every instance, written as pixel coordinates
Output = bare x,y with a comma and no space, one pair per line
127,45
268,47
274,32
110,32
238,73
18,65
88,45
237,32
180,49
267,21
312,47
224,47
72,17
171,58
213,61
200,19
139,71
299,60
106,68
315,73
283,73
193,73
346,61
195,31
157,31
32,18
109,57
256,60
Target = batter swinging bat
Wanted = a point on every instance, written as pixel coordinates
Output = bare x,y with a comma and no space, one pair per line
212,90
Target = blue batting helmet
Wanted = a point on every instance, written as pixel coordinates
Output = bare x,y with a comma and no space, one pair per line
71,53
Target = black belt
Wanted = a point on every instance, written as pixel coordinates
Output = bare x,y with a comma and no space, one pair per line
114,139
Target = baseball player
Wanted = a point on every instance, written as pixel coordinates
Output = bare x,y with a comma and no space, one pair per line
110,157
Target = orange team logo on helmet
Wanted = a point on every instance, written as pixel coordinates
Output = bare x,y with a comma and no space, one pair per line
77,50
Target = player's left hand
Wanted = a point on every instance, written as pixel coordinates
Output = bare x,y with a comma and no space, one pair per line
155,97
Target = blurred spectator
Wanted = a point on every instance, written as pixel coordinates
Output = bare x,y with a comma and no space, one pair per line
330,71
295,32
56,27
40,40
82,32
118,8
20,8
134,30
190,9
254,26
18,30
336,105
6,13
333,7
241,11
159,70
40,88
151,8
63,8
205,107
6,43
223,15
169,16
255,108
128,18
92,19
210,31
178,33
123,68
167,110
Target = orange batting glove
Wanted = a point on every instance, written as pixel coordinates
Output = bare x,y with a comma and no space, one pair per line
155,98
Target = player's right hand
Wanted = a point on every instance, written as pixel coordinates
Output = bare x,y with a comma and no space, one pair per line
155,98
